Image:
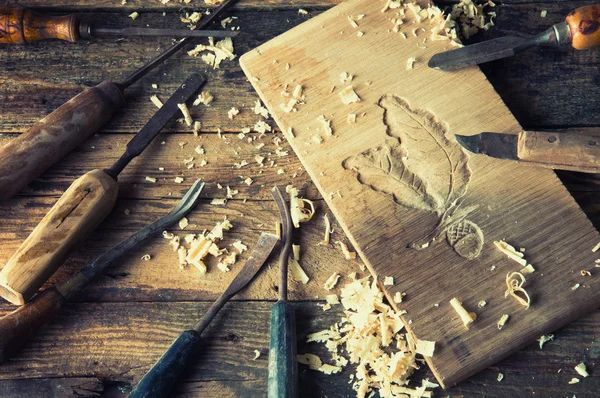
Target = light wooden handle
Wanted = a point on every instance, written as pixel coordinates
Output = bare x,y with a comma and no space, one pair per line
78,212
585,27
562,150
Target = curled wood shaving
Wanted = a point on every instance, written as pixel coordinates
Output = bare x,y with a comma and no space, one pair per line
510,252
299,211
204,98
186,114
296,252
134,15
146,257
218,202
183,223
256,355
297,272
347,253
500,377
466,317
514,284
502,321
332,281
214,54
544,339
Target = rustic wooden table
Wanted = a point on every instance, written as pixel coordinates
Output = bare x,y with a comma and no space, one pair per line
113,332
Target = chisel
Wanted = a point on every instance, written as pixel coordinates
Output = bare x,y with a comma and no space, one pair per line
159,380
581,29
17,327
29,155
79,210
283,362
19,26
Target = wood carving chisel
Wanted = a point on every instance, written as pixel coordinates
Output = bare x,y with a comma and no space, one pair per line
283,361
159,380
17,327
19,26
80,210
32,152
561,150
581,30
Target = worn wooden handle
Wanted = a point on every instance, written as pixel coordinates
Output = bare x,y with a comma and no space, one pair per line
283,362
29,155
20,325
20,26
560,150
159,380
584,23
77,213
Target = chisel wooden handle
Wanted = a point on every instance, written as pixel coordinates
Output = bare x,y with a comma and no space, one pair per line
159,380
584,23
19,326
283,361
29,155
560,150
78,212
20,26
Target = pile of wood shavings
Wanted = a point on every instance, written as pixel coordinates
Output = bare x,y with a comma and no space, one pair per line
369,333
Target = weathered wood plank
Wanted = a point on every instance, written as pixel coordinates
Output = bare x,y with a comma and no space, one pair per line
118,342
160,278
54,388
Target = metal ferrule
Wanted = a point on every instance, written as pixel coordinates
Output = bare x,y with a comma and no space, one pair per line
563,33
85,29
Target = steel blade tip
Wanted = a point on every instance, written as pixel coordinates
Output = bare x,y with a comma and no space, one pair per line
496,145
470,143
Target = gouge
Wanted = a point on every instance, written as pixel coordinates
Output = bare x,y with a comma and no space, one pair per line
19,26
283,362
79,210
561,150
29,155
17,327
159,380
581,29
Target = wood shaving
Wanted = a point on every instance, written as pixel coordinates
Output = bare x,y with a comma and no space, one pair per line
183,223
528,269
332,299
298,209
259,159
581,369
325,240
214,54
226,261
511,252
596,248
127,212
466,317
151,179
297,272
260,110
146,257
296,252
204,98
261,127
199,150
575,286
326,125
543,13
317,138
425,348
351,118
482,304
256,355
181,255
398,297
206,244
574,380
178,180
348,95
232,112
410,63
346,77
502,321
239,246
134,15
500,377
186,114
231,192
388,281
544,339
197,127
332,281
514,284
585,273
158,103
302,11
348,255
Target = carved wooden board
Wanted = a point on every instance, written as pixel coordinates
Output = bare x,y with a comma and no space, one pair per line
401,175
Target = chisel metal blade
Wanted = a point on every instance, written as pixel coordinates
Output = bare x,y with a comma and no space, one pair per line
496,145
475,54
98,31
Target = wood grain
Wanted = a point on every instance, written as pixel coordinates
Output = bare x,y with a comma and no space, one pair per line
383,218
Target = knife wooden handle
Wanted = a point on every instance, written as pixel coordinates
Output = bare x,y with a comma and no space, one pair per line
20,26
560,150
77,213
585,27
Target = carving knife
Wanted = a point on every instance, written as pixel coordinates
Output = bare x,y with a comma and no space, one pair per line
561,150
20,26
17,327
80,210
159,380
581,29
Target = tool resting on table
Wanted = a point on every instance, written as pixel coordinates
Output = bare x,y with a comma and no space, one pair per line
79,210
29,155
19,26
17,327
283,362
159,380
574,149
581,30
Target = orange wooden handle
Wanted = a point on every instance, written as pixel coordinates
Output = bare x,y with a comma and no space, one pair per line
19,26
585,27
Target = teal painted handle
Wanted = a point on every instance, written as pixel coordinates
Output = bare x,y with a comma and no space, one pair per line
159,380
283,364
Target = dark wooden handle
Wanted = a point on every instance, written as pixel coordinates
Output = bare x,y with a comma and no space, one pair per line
76,213
585,27
20,26
283,362
20,325
29,155
560,150
159,380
